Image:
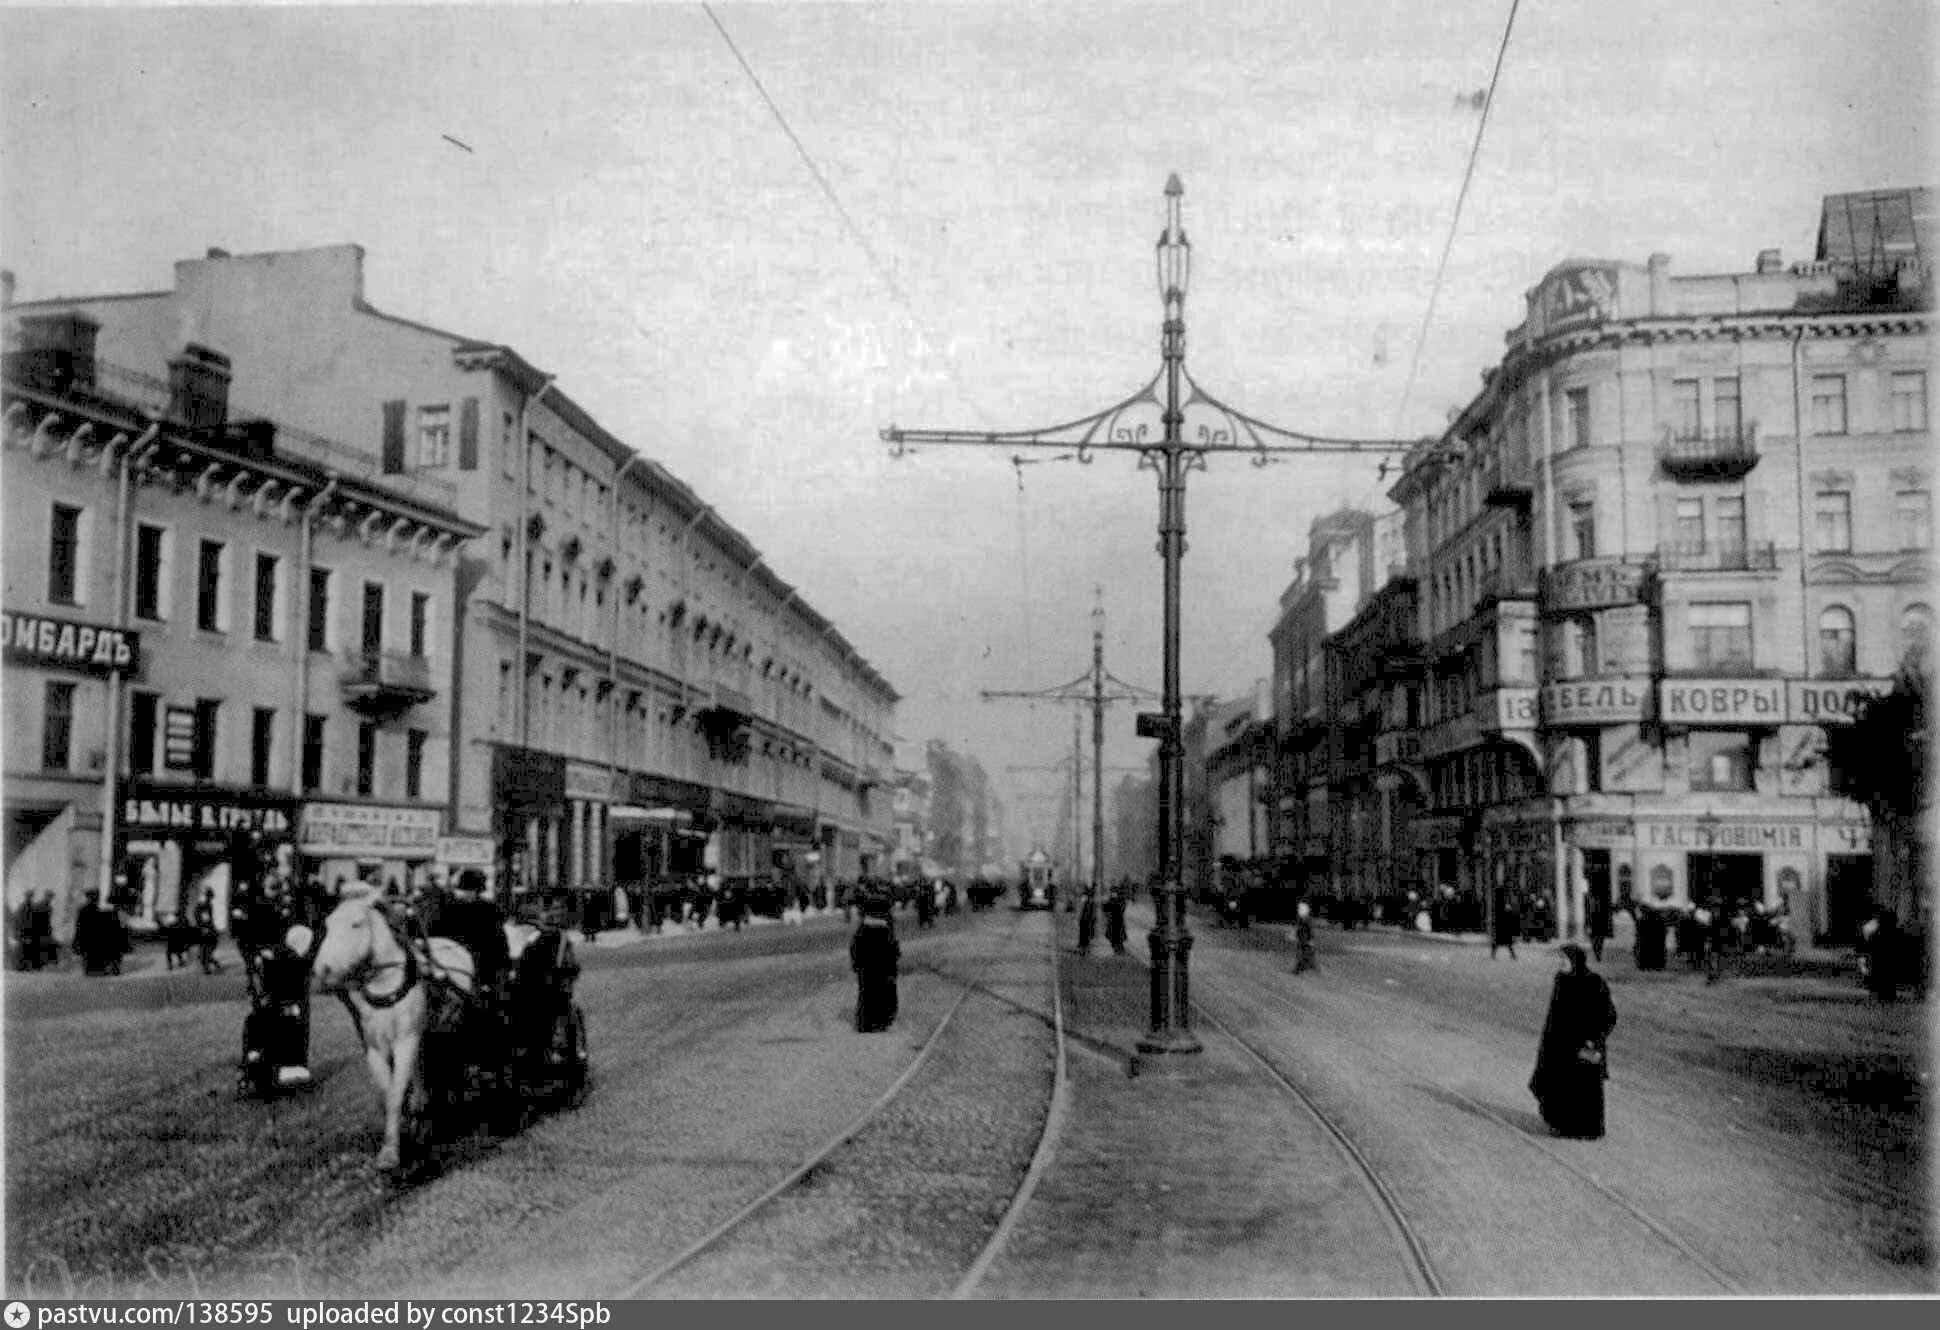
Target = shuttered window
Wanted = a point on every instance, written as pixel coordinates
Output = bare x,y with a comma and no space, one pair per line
393,460
468,434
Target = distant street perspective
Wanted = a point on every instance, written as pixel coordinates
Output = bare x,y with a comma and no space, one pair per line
815,651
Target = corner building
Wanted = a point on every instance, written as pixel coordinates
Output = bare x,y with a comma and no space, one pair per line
633,692
1685,526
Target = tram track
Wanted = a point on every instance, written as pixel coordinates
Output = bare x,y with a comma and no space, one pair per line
1640,1215
841,1162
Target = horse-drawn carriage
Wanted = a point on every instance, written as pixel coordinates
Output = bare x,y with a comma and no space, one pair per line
448,1054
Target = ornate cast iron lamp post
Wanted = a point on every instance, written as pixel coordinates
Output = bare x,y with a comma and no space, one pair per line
1126,427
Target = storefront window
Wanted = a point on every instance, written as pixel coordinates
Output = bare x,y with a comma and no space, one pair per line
1721,759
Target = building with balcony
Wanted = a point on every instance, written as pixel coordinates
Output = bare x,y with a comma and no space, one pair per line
222,649
634,691
1724,542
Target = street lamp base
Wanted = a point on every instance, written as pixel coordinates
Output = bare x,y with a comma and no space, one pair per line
1170,1041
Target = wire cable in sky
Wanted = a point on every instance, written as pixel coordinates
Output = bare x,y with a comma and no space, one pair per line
1441,269
876,263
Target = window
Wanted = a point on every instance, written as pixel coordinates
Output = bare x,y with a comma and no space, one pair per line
269,577
1730,512
505,692
1582,660
1684,409
420,624
313,734
1727,413
1577,408
262,744
391,460
373,639
64,555
1583,529
1916,630
1828,404
208,713
366,758
1909,402
319,630
1720,635
434,436
209,558
1721,759
468,435
551,490
1690,524
414,763
151,572
1592,741
1832,521
144,711
57,727
508,455
1838,643
1913,519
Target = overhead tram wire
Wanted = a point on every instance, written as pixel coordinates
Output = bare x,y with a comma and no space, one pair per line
1454,225
876,264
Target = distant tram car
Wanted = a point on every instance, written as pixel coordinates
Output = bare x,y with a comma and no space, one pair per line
1035,889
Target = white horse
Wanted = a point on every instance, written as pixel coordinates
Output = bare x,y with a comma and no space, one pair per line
381,978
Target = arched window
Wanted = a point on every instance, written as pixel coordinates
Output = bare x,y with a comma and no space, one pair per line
1916,631
1838,643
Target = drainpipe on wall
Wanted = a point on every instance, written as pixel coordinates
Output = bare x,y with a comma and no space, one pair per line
300,638
111,782
613,644
1560,876
524,572
1817,921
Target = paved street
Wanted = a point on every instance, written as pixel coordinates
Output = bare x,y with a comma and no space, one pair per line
1765,1134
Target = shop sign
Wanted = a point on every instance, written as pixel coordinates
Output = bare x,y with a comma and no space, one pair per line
527,781
1830,701
1517,835
1451,736
1591,584
201,812
1506,709
1602,833
1395,747
465,851
178,738
1594,702
1576,293
1742,836
584,780
67,644
369,831
1721,702
1846,838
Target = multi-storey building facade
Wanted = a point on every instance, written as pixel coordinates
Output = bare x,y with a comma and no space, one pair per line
635,692
1684,527
222,646
1349,556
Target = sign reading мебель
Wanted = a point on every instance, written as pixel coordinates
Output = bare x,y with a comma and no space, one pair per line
369,831
1765,702
1594,702
90,648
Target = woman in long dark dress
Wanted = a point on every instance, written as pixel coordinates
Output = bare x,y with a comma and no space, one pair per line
1572,1062
873,954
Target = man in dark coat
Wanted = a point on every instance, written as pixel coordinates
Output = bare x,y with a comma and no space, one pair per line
99,938
1598,925
467,917
1115,918
1087,922
205,931
1508,925
874,955
1572,1060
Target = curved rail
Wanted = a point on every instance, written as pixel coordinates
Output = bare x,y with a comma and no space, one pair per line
1046,1143
1643,1217
809,1165
1421,1270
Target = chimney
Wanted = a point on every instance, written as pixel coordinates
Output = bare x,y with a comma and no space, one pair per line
1769,262
6,288
58,348
198,387
1660,284
216,253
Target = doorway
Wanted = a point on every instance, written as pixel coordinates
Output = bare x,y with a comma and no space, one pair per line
1720,880
1848,895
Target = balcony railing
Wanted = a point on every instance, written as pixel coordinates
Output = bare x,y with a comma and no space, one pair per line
1504,584
1507,484
1724,454
1754,556
381,682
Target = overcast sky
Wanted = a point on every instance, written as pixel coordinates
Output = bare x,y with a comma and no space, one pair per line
631,217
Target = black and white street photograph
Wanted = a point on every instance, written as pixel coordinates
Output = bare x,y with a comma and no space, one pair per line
966,650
